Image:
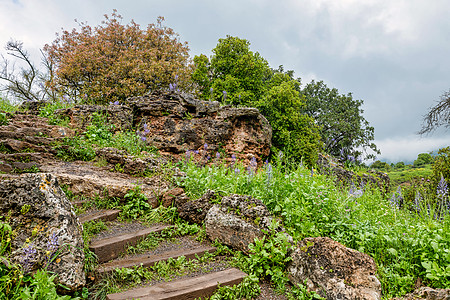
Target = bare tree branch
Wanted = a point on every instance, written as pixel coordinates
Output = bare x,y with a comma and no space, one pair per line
28,83
437,116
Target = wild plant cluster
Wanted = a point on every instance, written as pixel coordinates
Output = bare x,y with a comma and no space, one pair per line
407,246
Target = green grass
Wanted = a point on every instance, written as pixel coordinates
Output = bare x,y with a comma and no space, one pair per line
409,173
405,246
99,135
7,106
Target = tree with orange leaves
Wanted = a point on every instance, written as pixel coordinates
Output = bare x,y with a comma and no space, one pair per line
113,61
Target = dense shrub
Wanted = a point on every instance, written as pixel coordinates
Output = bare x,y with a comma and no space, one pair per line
293,132
232,69
114,61
441,166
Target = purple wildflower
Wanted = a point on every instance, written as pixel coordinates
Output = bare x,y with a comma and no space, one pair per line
205,146
28,258
217,155
143,138
442,188
417,200
188,155
396,198
252,167
442,194
269,173
171,87
236,171
52,246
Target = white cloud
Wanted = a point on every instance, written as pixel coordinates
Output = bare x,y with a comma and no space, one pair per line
407,148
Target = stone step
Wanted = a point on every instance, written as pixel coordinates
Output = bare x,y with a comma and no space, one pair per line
184,289
110,248
149,260
104,215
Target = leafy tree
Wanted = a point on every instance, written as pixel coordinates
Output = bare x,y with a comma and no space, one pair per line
113,61
293,132
235,75
423,159
437,116
380,165
232,69
400,165
344,130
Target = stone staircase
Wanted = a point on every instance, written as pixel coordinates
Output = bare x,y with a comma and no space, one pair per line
109,247
27,145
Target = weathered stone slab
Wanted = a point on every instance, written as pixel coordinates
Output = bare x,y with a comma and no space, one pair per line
333,270
48,231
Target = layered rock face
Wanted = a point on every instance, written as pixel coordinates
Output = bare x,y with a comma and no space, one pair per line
177,122
48,233
333,270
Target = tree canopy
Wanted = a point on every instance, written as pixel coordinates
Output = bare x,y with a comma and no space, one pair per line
344,130
235,75
114,61
234,69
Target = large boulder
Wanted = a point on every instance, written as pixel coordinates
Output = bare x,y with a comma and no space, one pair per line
238,220
176,122
195,211
333,270
47,231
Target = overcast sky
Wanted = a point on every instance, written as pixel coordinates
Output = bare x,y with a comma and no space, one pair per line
393,54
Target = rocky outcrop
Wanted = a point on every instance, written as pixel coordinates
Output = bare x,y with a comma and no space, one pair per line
48,233
238,220
120,116
333,270
330,166
82,178
427,293
175,123
26,140
130,164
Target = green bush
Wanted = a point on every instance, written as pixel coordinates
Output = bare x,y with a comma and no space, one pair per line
441,165
268,258
294,133
136,204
